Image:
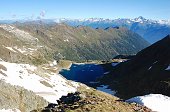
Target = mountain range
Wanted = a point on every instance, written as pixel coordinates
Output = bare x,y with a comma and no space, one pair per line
150,30
38,43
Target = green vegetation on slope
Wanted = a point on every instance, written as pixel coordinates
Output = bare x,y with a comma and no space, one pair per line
84,43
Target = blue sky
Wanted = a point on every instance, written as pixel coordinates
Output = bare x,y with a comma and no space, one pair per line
27,9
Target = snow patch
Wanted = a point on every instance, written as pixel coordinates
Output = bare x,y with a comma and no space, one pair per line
155,62
106,73
11,49
1,59
156,102
52,89
149,67
168,68
75,84
128,21
25,50
105,89
66,40
54,63
10,110
20,50
152,64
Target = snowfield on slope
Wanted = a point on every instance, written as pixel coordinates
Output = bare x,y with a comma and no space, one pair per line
10,110
50,86
156,102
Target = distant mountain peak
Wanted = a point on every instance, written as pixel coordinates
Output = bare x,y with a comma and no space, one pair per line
141,17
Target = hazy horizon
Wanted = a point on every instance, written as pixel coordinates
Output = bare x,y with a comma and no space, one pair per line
29,19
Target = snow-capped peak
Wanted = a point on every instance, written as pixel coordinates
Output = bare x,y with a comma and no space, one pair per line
95,19
139,19
60,20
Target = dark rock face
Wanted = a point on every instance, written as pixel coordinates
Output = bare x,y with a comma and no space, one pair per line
70,98
51,105
71,101
145,73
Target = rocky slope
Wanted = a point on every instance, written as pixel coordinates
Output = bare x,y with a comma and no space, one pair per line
147,72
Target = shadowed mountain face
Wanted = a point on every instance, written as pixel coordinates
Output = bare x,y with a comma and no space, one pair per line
148,72
42,42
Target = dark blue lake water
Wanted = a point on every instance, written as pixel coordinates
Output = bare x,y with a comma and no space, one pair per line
84,73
